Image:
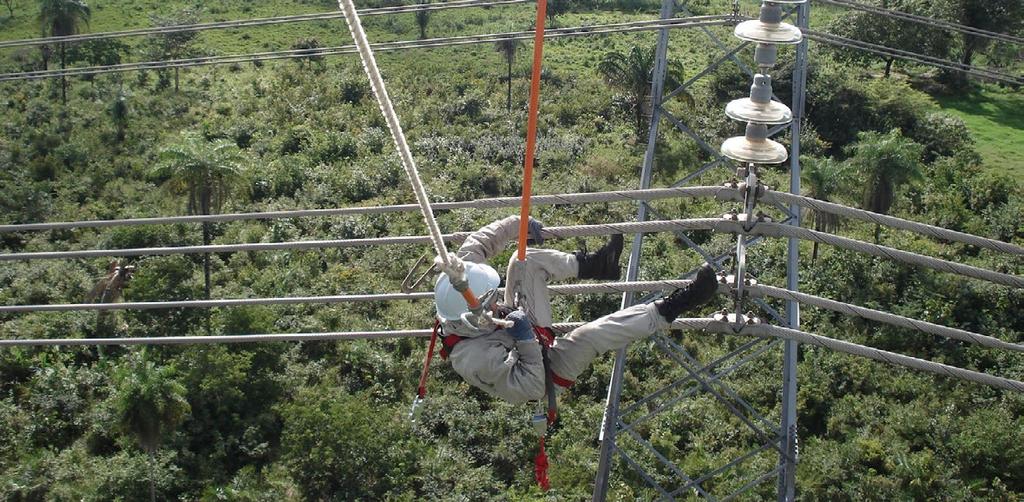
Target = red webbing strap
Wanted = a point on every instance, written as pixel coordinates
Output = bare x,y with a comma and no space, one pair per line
540,467
421,391
448,345
546,337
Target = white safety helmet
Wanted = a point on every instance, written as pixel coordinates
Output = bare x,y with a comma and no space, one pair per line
450,303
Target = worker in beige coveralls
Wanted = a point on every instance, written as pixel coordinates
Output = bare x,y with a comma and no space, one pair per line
507,362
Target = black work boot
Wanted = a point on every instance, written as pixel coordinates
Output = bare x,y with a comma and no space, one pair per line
688,298
603,263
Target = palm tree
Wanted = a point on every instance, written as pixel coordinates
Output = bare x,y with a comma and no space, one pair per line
119,114
824,179
885,163
631,73
556,8
60,18
422,18
149,403
508,48
204,171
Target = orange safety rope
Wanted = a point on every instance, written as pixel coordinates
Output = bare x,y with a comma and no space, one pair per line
541,460
531,127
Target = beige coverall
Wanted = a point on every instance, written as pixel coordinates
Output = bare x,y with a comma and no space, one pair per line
514,370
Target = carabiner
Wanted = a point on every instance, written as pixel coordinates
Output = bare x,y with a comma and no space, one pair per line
408,285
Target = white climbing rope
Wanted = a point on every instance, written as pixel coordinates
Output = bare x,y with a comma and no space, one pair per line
384,102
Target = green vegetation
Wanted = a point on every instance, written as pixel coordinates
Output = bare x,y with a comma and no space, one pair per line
995,122
327,420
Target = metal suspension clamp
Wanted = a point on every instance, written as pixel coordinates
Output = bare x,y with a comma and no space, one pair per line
737,321
730,279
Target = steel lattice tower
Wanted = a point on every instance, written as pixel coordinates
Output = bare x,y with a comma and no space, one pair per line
781,436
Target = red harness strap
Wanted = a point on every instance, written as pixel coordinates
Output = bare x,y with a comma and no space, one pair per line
448,345
546,337
421,391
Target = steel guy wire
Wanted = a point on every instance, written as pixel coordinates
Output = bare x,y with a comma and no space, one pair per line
240,23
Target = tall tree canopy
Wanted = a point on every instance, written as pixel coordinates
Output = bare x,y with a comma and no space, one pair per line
885,162
824,179
891,32
631,73
60,18
204,171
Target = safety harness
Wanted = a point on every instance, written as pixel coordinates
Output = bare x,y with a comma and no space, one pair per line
546,337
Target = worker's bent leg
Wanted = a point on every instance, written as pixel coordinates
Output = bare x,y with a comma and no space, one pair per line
572,354
529,281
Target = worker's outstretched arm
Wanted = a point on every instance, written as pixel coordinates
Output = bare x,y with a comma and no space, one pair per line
485,243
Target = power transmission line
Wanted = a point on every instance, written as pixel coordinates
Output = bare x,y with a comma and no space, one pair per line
829,38
889,221
892,358
714,325
885,317
322,16
907,257
930,21
626,27
561,289
635,26
724,225
549,232
650,194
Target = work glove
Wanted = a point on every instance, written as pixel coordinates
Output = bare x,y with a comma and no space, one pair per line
521,328
455,270
535,233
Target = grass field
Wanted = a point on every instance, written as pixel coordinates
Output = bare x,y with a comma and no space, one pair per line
994,118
